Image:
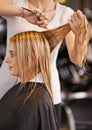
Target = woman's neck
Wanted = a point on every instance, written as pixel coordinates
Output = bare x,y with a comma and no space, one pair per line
28,77
43,5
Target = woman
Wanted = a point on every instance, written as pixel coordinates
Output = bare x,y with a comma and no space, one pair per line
55,14
28,105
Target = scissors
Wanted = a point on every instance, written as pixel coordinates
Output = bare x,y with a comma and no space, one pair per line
33,11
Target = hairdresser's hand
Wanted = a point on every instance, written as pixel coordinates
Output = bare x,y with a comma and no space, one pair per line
37,19
78,23
42,20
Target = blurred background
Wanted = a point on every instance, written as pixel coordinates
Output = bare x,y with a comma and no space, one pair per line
76,90
76,82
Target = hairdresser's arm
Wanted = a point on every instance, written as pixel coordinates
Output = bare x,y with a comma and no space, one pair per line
77,40
8,9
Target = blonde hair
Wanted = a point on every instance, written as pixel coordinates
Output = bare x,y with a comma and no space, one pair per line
54,36
39,45
33,45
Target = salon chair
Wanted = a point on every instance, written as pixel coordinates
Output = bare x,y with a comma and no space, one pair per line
78,110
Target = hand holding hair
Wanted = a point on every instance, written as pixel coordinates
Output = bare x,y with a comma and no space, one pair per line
82,30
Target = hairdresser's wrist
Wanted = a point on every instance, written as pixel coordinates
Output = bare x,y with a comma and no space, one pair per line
22,12
19,12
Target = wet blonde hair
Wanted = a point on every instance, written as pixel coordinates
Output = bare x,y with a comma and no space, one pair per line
31,46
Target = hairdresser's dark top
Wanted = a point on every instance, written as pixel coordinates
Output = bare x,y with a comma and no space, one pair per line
36,114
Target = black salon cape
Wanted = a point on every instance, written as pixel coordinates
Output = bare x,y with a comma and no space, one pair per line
37,113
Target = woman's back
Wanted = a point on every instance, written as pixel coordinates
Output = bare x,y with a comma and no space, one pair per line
37,113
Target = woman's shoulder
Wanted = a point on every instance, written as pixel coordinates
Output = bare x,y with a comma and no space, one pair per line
43,94
64,7
40,95
11,92
64,12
